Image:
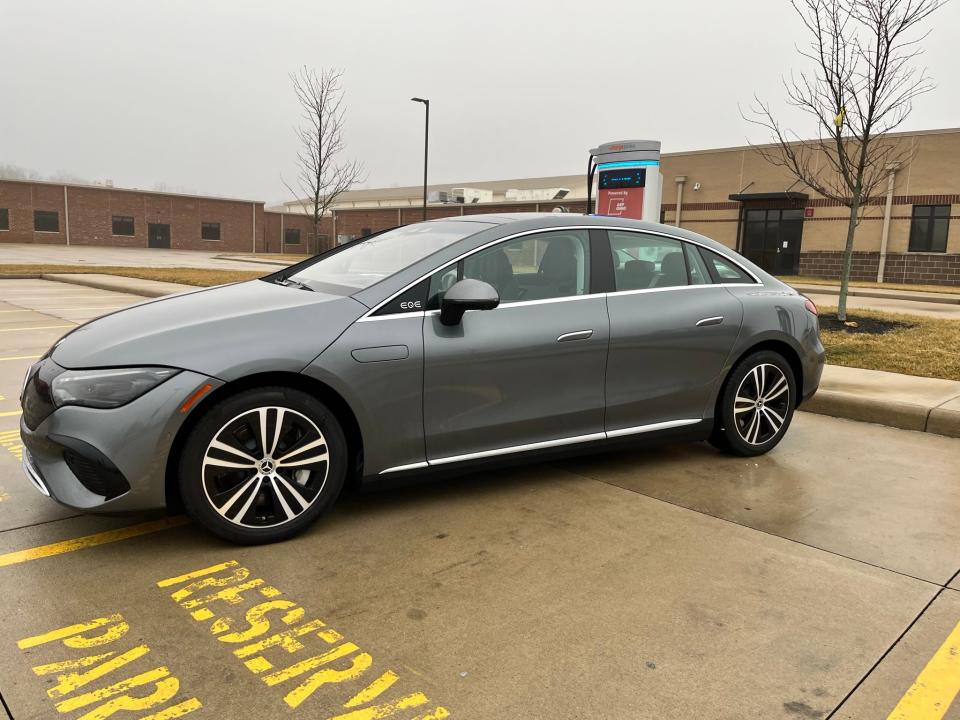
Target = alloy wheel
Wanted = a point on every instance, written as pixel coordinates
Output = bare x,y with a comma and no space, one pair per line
265,467
762,404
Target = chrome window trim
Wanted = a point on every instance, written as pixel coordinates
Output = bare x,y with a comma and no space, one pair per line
370,312
605,435
394,316
567,298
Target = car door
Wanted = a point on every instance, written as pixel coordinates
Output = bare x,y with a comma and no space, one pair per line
529,372
672,326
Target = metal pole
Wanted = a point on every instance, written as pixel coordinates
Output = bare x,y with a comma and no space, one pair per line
426,148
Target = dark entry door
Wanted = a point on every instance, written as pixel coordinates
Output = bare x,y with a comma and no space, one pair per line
158,235
771,239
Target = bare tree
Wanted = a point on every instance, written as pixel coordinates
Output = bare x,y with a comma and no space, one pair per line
862,87
320,178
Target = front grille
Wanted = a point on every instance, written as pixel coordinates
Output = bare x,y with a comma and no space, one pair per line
100,477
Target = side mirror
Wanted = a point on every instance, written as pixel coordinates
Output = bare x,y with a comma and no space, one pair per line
468,294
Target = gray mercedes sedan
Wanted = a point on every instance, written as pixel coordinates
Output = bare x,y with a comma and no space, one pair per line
438,345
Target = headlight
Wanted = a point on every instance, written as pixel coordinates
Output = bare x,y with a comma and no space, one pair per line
107,388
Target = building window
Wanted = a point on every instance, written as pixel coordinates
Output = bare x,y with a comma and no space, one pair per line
928,228
209,231
4,219
122,225
46,221
291,236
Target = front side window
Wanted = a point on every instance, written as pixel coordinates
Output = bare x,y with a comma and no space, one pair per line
643,261
535,267
123,225
359,265
4,219
209,231
291,236
929,227
46,221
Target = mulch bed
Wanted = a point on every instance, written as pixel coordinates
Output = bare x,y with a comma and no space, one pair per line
864,325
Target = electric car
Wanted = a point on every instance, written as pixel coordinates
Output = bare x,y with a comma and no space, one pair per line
443,344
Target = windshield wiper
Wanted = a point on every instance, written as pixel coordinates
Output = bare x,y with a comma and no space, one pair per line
290,282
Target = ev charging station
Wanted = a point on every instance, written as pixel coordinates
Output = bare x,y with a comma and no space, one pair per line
629,182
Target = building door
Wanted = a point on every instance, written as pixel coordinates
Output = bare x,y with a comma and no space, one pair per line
158,235
771,239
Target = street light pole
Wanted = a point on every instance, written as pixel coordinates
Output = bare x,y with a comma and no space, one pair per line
426,147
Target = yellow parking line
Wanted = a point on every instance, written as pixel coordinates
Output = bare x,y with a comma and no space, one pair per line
11,413
20,357
936,686
43,327
89,541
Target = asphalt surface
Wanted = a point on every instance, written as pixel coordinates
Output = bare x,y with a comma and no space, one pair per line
818,581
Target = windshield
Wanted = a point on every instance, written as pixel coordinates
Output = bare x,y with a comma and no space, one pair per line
361,265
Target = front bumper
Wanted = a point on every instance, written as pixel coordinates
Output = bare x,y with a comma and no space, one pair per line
131,443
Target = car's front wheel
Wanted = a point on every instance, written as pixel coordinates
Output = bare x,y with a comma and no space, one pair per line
263,464
756,405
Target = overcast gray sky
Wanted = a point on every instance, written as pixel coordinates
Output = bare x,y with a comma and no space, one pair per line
196,95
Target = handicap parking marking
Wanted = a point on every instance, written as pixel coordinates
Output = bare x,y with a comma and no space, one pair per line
89,541
84,655
271,627
10,440
936,687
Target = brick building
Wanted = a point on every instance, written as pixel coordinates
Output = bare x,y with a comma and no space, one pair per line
732,195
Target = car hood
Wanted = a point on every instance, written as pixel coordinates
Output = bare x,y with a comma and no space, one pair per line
225,332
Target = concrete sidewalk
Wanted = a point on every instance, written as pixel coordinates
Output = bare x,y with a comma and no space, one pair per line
902,401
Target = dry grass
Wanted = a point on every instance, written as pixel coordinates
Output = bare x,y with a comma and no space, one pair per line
186,276
929,349
800,280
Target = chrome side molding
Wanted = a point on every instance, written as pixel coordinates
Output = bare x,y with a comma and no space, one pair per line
622,432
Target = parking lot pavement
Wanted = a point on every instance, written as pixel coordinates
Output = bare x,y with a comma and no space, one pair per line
657,583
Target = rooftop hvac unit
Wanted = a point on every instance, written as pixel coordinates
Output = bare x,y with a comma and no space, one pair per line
471,195
439,196
537,194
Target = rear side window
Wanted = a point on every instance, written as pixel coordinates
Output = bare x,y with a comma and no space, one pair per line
722,270
696,267
643,261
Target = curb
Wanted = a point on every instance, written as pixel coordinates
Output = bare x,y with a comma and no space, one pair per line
938,419
878,294
141,290
258,261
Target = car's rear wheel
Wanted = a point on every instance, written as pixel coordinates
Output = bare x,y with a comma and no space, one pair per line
756,405
262,465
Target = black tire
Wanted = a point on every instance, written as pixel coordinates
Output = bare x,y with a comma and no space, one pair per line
284,489
749,423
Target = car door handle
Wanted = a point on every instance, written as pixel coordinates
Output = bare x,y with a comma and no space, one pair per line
578,335
716,320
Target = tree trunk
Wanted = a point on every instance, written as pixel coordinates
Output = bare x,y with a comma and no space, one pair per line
848,259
